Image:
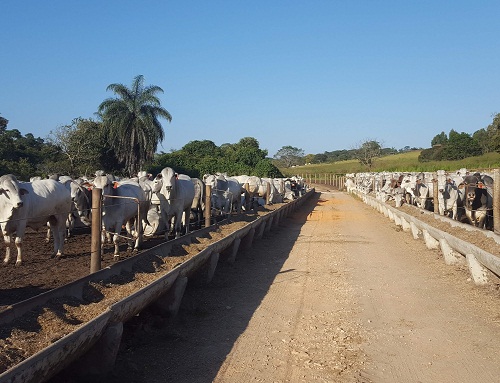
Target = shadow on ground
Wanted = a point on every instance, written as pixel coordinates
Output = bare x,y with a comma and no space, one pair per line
192,346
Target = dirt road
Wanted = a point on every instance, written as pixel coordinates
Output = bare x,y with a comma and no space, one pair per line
337,293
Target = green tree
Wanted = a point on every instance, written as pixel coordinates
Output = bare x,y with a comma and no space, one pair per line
131,122
493,131
309,158
23,155
460,146
84,144
319,158
367,151
482,138
265,168
289,156
199,149
440,139
3,124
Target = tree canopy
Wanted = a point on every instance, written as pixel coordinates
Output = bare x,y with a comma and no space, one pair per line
367,151
197,158
131,122
289,156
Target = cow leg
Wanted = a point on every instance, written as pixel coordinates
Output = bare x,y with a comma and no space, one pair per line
481,218
227,205
6,239
178,225
58,227
116,240
19,247
187,218
130,232
441,206
103,238
168,227
47,237
131,228
70,225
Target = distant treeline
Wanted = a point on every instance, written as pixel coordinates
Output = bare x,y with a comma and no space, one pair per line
444,147
348,154
80,149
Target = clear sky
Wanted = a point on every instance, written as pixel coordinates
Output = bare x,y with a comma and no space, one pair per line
317,75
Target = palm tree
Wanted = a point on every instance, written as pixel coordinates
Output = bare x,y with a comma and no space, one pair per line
131,122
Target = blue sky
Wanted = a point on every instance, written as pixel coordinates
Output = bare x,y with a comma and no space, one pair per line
316,75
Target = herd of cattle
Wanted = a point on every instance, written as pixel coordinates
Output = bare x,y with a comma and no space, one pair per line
165,203
460,195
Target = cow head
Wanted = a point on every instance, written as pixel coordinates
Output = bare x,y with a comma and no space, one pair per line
169,178
11,191
211,180
107,185
471,184
81,196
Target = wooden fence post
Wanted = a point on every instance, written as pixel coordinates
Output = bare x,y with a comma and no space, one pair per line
208,204
435,193
96,230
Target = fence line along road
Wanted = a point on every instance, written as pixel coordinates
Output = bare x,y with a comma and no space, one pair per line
336,181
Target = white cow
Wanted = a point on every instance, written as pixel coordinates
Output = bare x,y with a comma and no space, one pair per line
226,192
122,202
448,195
198,205
81,195
350,185
32,204
176,194
73,218
255,188
277,189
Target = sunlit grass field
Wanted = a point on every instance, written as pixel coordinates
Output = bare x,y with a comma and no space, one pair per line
400,162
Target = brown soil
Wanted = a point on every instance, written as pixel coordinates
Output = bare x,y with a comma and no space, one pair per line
38,273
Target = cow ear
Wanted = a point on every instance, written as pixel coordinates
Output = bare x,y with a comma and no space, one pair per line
176,176
115,185
158,176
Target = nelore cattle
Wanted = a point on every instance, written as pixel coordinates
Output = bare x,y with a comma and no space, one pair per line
255,189
198,204
81,195
59,201
175,193
32,204
478,203
122,203
460,195
449,195
226,193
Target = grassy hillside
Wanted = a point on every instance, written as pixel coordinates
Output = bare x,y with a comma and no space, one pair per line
399,162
